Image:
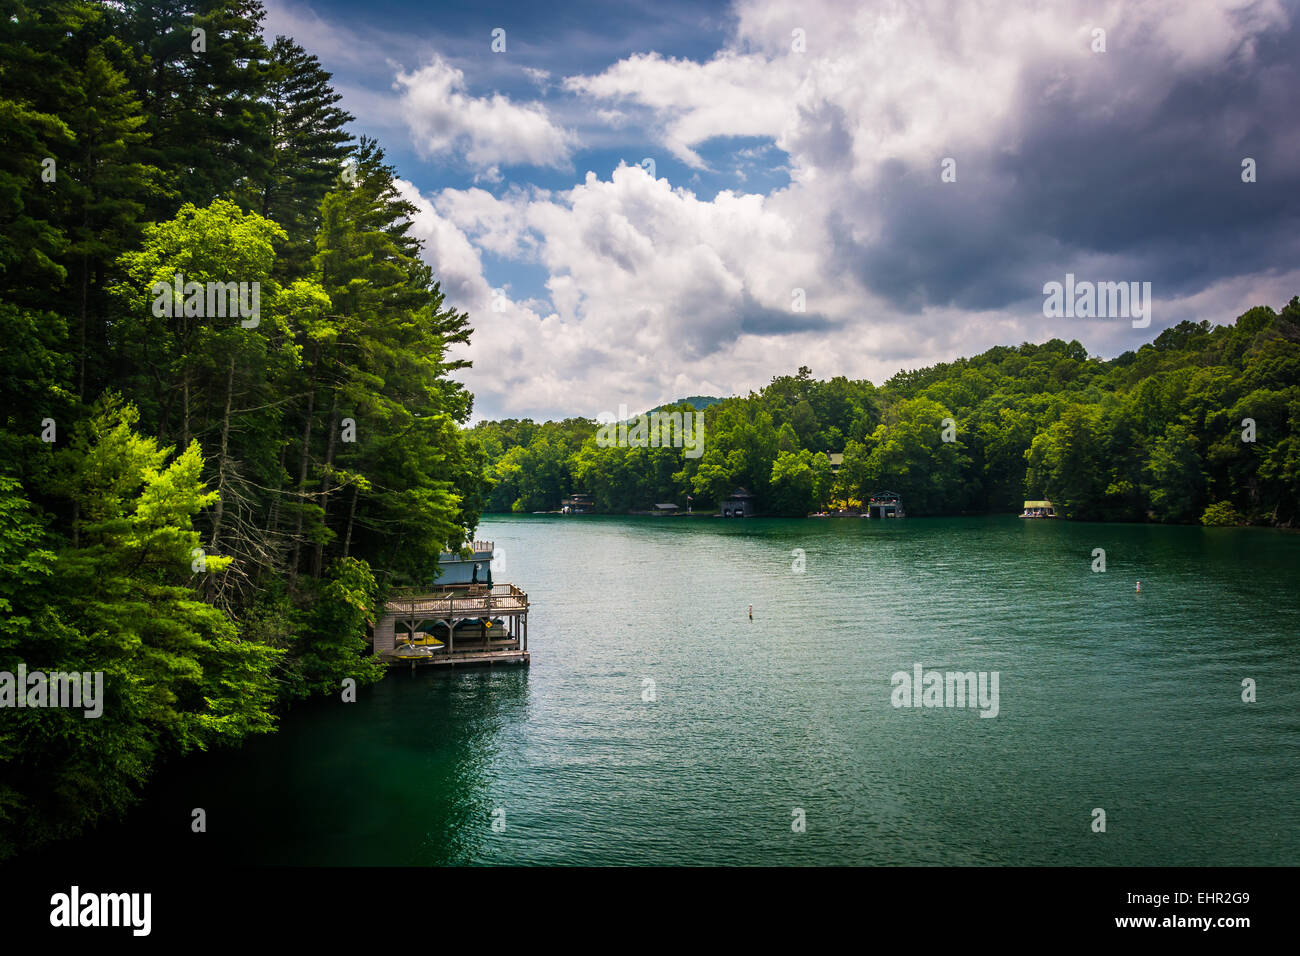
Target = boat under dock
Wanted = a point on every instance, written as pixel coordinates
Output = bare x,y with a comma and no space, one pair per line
459,617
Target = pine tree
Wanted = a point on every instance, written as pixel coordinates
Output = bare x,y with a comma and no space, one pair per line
106,189
308,148
203,95
388,370
34,140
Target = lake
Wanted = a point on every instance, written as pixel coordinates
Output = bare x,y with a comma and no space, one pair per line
659,724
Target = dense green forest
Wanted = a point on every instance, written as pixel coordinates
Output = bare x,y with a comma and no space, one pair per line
1203,424
202,505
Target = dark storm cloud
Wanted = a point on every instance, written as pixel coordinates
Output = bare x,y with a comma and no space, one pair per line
757,319
1154,181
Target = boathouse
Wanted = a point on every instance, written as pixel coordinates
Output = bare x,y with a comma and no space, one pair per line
577,505
463,618
739,504
667,508
1038,509
885,504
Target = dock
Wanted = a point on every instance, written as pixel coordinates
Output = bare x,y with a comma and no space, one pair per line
442,613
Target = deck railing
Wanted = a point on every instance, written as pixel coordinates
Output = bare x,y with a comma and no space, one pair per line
478,547
447,603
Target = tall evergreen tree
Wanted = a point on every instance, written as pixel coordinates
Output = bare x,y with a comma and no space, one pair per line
309,145
200,67
35,79
106,188
387,370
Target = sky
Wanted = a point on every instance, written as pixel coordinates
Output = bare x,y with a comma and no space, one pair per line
637,202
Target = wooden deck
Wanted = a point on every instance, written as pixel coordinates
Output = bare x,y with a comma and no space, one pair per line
439,612
458,603
473,657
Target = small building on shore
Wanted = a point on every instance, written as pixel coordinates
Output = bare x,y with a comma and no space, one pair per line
885,504
577,504
1038,509
836,458
739,504
667,508
463,618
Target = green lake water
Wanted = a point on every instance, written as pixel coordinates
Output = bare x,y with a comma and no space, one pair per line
1107,699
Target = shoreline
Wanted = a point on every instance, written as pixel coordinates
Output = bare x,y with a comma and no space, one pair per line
493,515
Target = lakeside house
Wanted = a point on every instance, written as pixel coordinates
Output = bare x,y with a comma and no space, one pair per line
885,504
739,504
836,458
577,504
1038,509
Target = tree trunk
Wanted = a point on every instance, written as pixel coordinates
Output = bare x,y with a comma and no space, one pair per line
185,425
215,543
81,321
273,510
319,557
88,173
352,511
302,466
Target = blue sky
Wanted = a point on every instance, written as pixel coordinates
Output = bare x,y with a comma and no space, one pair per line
796,151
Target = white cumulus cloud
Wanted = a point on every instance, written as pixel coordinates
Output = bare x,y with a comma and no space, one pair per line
487,131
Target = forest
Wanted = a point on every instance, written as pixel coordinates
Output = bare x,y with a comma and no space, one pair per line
202,506
1200,425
